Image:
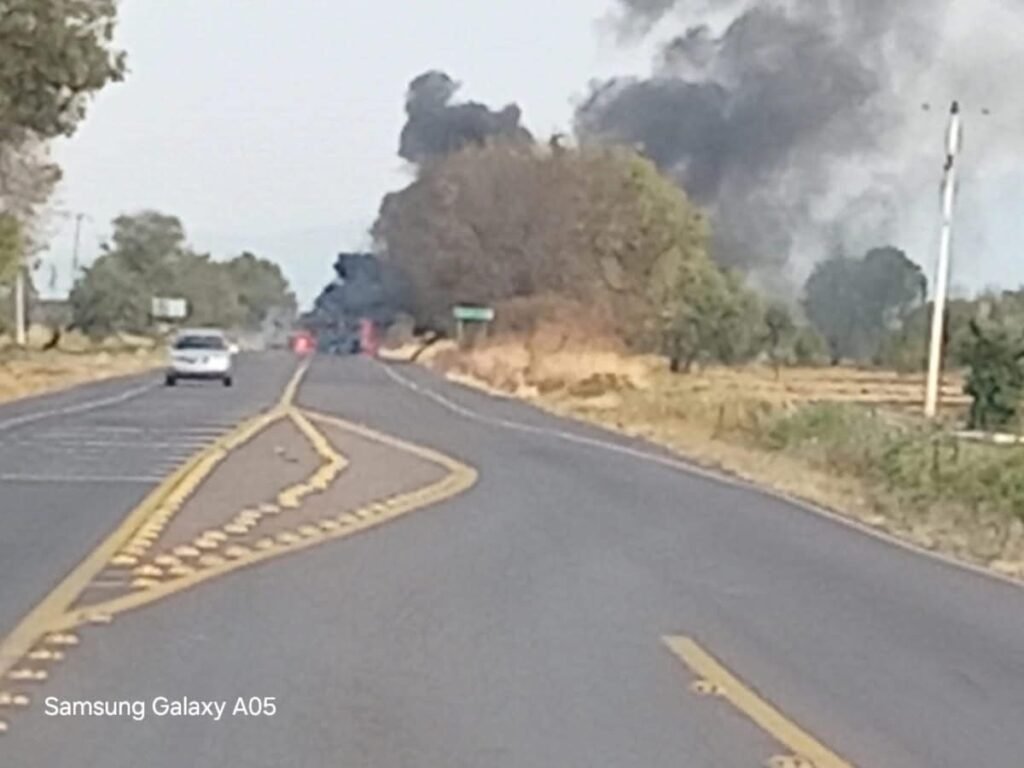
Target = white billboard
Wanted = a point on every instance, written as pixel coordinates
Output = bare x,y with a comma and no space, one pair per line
164,308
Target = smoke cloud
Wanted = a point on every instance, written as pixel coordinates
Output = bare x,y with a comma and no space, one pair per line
363,287
438,125
799,123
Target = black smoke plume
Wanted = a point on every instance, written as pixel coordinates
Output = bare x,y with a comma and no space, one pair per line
439,125
364,287
775,115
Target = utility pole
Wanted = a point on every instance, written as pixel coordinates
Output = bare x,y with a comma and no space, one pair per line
20,335
953,142
74,253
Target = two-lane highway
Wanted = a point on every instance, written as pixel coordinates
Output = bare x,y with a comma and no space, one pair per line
72,464
575,599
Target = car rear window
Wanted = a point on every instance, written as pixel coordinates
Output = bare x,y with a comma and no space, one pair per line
200,342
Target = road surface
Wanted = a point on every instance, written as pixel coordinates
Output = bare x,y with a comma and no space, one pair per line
409,573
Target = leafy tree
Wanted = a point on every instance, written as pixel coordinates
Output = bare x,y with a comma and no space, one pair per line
213,299
108,298
713,316
53,55
142,259
905,347
261,286
779,332
27,177
852,302
832,304
809,348
10,247
995,380
150,244
597,226
890,285
148,256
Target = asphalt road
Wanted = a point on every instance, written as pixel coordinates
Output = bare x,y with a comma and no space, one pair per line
520,622
73,464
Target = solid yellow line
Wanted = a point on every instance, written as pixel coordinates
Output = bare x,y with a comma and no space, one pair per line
334,462
768,718
394,442
399,506
292,387
182,481
460,478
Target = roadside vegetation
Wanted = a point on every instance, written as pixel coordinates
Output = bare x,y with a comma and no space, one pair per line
147,257
55,55
613,306
76,359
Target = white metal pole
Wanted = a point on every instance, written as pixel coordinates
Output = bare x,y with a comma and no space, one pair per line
74,254
931,402
19,307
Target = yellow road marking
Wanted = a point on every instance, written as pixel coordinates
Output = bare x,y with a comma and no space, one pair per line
142,526
769,719
379,437
460,477
172,491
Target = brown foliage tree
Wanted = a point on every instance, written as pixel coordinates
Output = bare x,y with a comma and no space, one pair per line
599,226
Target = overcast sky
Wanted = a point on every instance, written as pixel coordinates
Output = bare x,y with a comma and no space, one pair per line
272,125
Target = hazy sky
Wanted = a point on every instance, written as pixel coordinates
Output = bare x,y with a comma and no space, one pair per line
272,125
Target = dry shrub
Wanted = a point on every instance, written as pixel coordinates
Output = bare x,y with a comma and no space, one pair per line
29,372
548,360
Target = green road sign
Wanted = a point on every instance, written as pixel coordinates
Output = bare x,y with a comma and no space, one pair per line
473,314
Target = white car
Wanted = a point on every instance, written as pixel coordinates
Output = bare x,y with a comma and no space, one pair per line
201,354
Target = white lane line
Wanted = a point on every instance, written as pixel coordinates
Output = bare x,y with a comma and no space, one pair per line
125,479
89,405
172,433
140,444
707,474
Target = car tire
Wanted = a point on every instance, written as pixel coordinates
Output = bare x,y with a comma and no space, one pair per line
228,381
170,381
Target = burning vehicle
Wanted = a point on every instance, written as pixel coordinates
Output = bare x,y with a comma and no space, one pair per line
353,310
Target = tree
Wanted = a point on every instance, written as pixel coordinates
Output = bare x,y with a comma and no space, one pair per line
600,227
10,247
213,298
53,55
809,348
108,298
27,178
905,346
779,332
261,287
995,380
852,302
148,256
142,260
713,315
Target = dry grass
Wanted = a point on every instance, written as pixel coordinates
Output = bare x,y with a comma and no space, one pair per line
719,416
77,360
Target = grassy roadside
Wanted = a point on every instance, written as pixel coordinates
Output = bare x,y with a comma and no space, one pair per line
34,371
841,439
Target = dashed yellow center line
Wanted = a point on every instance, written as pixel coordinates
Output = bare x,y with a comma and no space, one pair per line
714,678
